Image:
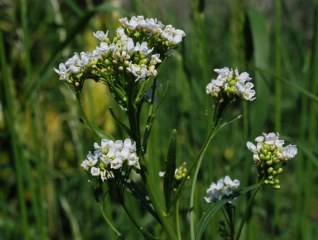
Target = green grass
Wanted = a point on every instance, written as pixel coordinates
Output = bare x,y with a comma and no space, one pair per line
45,195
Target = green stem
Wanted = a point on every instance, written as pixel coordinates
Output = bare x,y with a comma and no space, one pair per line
133,116
228,213
247,211
178,221
195,176
108,222
132,218
167,225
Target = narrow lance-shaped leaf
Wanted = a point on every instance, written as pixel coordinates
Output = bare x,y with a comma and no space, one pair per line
170,167
205,219
97,131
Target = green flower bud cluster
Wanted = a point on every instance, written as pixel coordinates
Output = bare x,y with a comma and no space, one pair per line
269,166
270,156
181,172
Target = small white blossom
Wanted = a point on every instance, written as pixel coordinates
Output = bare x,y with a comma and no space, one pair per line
143,48
116,163
62,71
100,35
133,23
155,59
223,188
95,171
174,36
139,71
289,152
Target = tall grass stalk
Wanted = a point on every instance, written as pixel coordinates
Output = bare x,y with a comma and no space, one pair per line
11,117
278,91
238,55
198,17
312,133
36,191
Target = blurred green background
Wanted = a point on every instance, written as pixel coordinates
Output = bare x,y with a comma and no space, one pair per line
45,195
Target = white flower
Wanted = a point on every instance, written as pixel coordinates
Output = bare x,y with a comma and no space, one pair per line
103,48
130,144
243,77
122,35
133,23
246,90
162,173
143,48
155,59
100,35
104,147
62,71
139,71
129,46
174,36
289,152
132,159
223,188
116,163
224,73
90,161
95,171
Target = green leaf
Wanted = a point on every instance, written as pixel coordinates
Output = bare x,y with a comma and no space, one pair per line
170,167
120,123
99,133
205,219
140,196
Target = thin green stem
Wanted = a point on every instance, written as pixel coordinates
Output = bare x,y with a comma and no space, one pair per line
247,212
178,221
132,218
218,112
195,176
108,222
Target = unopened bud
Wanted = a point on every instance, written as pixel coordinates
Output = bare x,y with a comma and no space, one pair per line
279,170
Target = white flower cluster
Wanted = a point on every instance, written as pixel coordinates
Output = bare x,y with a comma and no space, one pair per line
109,157
269,154
231,83
222,189
153,27
269,148
79,62
137,53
